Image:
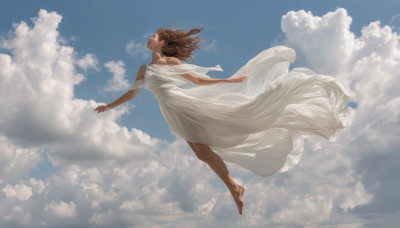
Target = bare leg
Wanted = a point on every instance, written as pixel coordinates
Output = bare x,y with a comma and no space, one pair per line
205,154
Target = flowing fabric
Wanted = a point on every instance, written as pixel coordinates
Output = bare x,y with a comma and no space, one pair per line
256,124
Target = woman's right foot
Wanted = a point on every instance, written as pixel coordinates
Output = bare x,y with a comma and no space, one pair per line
238,197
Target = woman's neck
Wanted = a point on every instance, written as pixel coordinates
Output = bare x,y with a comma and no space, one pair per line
157,56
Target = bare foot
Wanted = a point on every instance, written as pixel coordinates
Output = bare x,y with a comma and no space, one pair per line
237,196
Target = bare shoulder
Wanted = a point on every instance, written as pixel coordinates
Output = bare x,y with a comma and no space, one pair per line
142,68
173,61
141,72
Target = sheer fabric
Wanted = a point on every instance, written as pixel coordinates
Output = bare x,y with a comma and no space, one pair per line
257,124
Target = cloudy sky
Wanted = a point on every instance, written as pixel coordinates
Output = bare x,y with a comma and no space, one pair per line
63,165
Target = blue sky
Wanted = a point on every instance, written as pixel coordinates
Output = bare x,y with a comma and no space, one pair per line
241,30
361,53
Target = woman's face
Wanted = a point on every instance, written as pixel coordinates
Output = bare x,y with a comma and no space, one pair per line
154,42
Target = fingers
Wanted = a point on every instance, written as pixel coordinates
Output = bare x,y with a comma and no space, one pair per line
99,109
241,78
238,79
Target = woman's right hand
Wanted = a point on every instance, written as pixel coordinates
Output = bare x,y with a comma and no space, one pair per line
102,108
237,79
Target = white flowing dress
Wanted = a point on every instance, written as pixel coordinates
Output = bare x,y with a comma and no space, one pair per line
256,124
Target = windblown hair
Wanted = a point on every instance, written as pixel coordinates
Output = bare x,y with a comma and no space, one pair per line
178,43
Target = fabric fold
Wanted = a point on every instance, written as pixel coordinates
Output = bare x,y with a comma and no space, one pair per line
258,124
138,84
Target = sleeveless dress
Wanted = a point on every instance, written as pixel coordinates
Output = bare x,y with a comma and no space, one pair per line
256,124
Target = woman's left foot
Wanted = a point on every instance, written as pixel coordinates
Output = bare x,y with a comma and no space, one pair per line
238,197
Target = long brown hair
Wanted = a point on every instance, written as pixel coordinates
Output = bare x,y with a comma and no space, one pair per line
178,43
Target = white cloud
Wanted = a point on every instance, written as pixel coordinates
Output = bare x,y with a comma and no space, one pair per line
326,42
109,175
20,191
25,189
118,82
89,61
96,195
38,105
16,161
369,66
132,205
61,209
212,47
134,48
358,196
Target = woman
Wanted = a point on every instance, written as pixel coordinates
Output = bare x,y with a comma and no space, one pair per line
253,122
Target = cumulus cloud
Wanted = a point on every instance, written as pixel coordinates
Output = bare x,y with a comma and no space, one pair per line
16,162
103,169
108,175
89,61
24,191
118,82
61,209
135,48
326,42
369,66
39,109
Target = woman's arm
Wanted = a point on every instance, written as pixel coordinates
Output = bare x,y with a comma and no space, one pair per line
130,94
200,80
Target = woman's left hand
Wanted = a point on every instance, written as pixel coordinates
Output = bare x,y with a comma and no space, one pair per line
237,79
102,108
